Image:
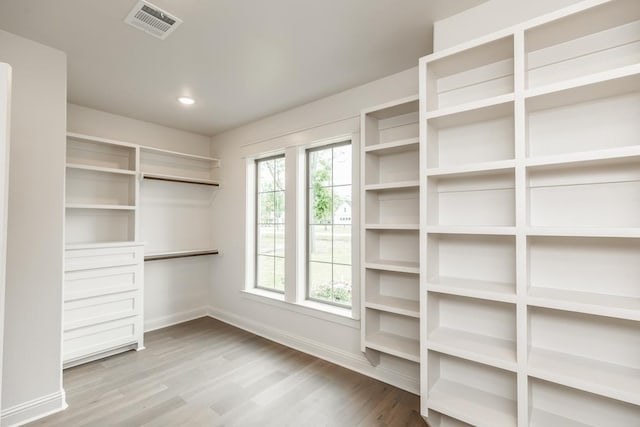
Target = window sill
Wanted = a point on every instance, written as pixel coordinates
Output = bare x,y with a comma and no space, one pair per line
330,313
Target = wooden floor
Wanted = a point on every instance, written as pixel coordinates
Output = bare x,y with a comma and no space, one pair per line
207,373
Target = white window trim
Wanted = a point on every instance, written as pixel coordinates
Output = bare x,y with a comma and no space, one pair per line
294,297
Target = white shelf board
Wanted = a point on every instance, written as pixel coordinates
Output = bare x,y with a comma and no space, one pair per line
539,418
396,345
178,154
606,379
397,266
174,178
594,86
473,169
97,139
396,305
622,232
609,157
100,207
155,256
473,406
471,112
481,289
80,246
77,166
622,307
390,186
474,230
483,349
415,227
393,147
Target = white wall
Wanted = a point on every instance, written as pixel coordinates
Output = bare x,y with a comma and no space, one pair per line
489,17
175,290
32,374
330,337
5,102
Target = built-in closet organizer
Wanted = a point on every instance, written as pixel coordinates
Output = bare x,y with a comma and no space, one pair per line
530,161
104,248
390,236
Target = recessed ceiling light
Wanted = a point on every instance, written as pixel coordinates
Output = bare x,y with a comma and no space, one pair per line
186,100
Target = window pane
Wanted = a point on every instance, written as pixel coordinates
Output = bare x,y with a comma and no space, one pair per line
265,239
278,201
320,281
342,284
279,240
342,165
279,274
320,168
279,173
320,206
342,205
342,244
265,176
320,243
266,207
265,274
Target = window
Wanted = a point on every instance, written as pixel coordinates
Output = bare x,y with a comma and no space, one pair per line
329,207
270,190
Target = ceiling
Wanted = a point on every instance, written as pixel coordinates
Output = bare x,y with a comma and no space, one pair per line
240,60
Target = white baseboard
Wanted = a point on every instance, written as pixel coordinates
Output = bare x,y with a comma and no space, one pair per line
34,409
174,319
357,363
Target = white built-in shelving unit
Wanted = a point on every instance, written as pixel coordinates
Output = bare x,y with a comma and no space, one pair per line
530,223
390,230
103,287
107,221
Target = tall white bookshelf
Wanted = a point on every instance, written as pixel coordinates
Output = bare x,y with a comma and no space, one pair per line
530,223
390,230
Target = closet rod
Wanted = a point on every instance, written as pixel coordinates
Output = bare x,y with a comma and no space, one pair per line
186,254
186,181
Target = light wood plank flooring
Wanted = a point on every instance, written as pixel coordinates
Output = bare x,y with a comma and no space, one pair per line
208,373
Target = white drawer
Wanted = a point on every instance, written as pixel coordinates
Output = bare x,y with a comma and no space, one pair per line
92,311
90,340
89,258
102,281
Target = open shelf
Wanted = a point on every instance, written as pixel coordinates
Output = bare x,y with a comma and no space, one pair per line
556,122
607,157
390,265
473,169
475,394
94,152
404,307
96,188
482,200
179,254
436,419
397,247
392,226
586,195
480,72
401,185
78,166
482,289
392,291
598,39
585,274
474,329
393,147
553,405
597,354
393,334
100,207
172,178
178,154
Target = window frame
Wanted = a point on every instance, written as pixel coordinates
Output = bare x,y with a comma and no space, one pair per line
256,223
307,212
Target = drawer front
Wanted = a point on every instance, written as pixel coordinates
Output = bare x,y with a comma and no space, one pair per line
92,311
85,259
102,281
90,340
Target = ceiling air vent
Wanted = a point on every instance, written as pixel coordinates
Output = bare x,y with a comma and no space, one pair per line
152,20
